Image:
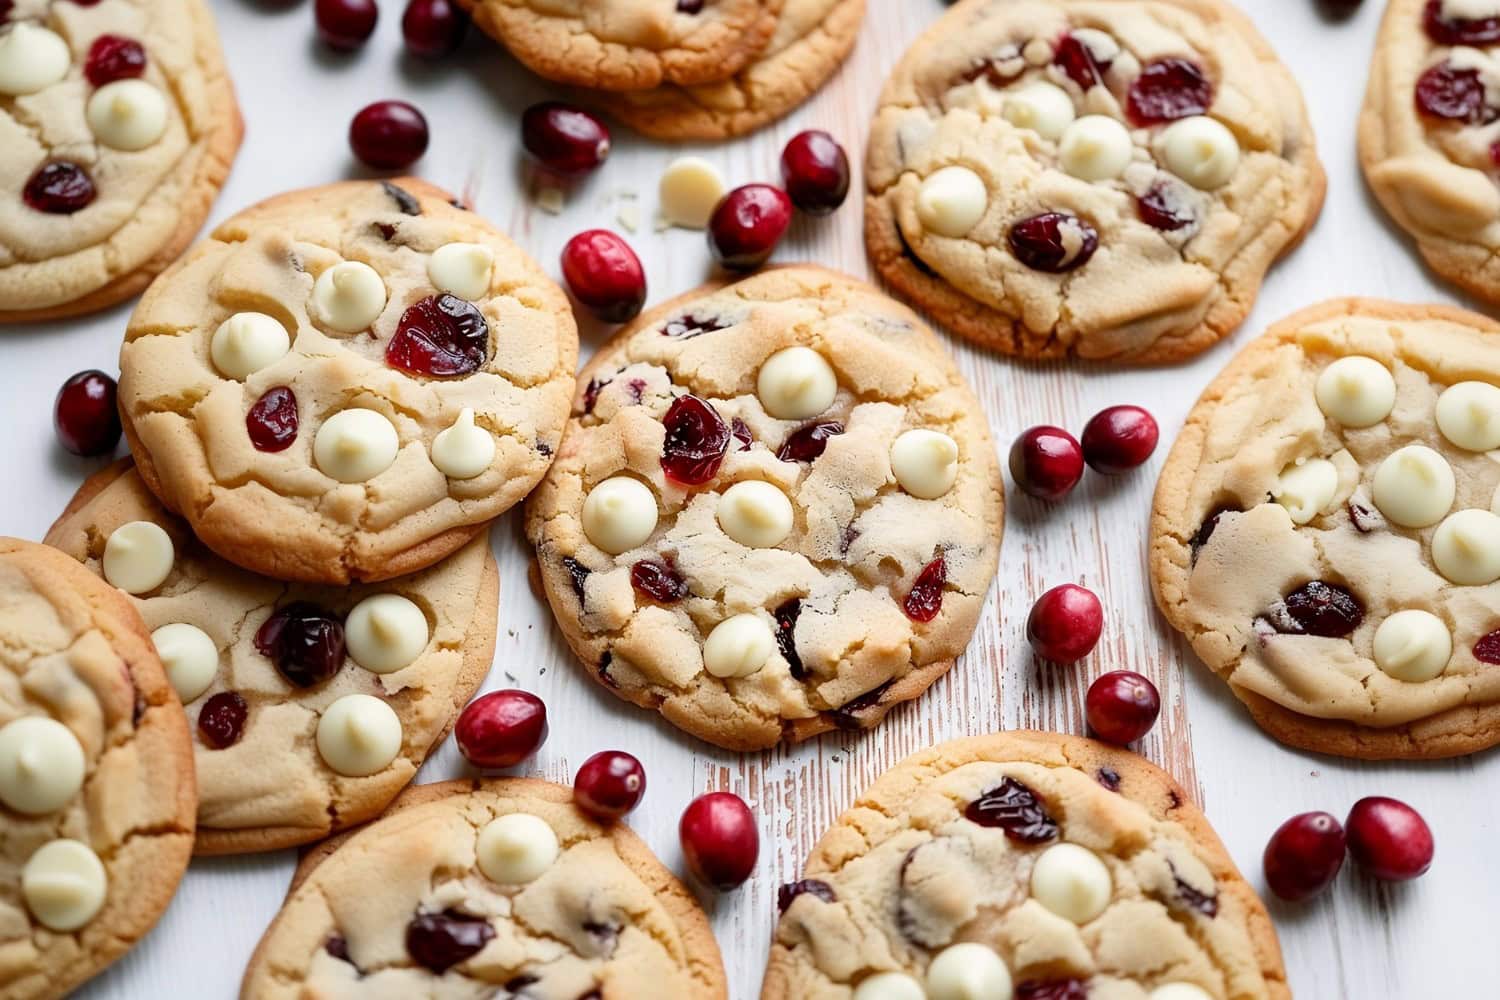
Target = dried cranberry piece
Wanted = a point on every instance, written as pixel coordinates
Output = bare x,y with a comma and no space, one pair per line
305,642
786,616
1364,518
925,599
515,984
807,887
1207,528
697,438
741,433
659,580
1487,649
1206,903
272,421
1319,608
60,187
1162,208
1109,778
846,716
688,327
406,202
577,573
1016,809
806,443
1053,242
911,255
439,941
1459,30
1052,989
441,335
114,57
1452,94
338,947
1169,89
689,6
221,721
1074,58
591,393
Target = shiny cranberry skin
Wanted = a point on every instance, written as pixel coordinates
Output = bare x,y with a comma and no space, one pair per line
720,840
815,170
1452,94
502,728
1065,623
272,421
1459,31
747,224
305,642
1046,462
60,187
1321,609
439,941
433,28
1074,58
1389,839
1053,242
1122,706
659,580
85,415
696,440
442,336
114,57
1162,208
345,24
1168,89
609,785
1119,439
808,442
1016,809
925,599
604,274
1303,855
563,138
388,135
221,720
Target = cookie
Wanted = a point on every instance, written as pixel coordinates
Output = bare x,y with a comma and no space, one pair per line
96,775
1050,865
1323,532
1102,181
812,39
629,44
776,510
347,383
268,671
1427,139
118,125
487,888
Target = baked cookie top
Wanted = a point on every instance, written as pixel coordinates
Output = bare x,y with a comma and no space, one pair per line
348,382
629,44
96,777
490,888
1109,180
117,126
776,510
1047,864
311,707
1325,535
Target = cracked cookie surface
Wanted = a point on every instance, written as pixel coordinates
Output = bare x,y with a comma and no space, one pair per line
348,382
96,775
755,570
1051,864
598,918
1109,181
1323,532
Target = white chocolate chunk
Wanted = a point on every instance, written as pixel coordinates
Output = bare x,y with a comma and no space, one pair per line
189,656
138,557
925,463
247,342
951,201
1045,108
127,114
1095,148
1466,547
41,765
1072,882
690,189
755,514
889,986
1468,414
1201,151
359,735
64,884
1306,489
619,514
515,848
463,450
1180,991
1413,646
354,446
968,971
738,646
348,297
385,632
462,269
796,383
32,58
1414,487
1356,391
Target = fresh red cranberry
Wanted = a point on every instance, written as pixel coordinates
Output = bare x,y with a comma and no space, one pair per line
925,599
1487,649
442,336
59,187
1122,706
1452,94
433,28
1163,207
1319,608
719,839
388,135
114,57
1074,58
1119,439
1046,462
221,720
1389,839
1303,855
1016,809
604,274
696,440
747,224
807,443
1065,623
345,24
85,415
305,642
1053,242
439,941
659,580
1459,31
272,421
815,171
609,785
1168,89
502,728
563,138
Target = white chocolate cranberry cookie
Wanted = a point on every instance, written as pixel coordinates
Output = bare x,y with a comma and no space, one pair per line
348,382
118,124
776,510
1023,865
96,775
1326,530
311,707
1101,180
498,888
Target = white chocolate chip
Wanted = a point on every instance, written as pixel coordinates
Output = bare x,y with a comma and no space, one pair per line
138,557
738,646
755,514
968,971
690,189
1414,487
925,463
385,632
1045,108
1306,489
1468,414
32,58
889,986
462,269
41,765
354,446
64,884
1180,991
189,656
1072,882
1201,151
464,449
1101,45
359,735
348,296
1095,148
796,383
1413,646
515,848
127,114
1466,547
247,342
619,514
1356,391
951,201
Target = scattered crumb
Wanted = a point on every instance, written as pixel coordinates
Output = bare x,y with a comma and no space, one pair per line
510,676
628,212
551,200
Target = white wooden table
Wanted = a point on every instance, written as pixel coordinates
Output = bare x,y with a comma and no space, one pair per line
1363,941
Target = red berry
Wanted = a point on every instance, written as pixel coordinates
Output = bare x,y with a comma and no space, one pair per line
388,135
59,187
1453,94
1046,462
1163,207
442,336
563,138
1168,89
1074,58
1389,839
808,442
304,641
1122,706
439,941
1053,242
719,839
1119,439
221,720
85,414
433,28
1487,649
815,170
659,580
696,440
747,224
1459,30
502,728
609,785
272,421
1303,855
345,24
925,599
604,274
114,57
1065,623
